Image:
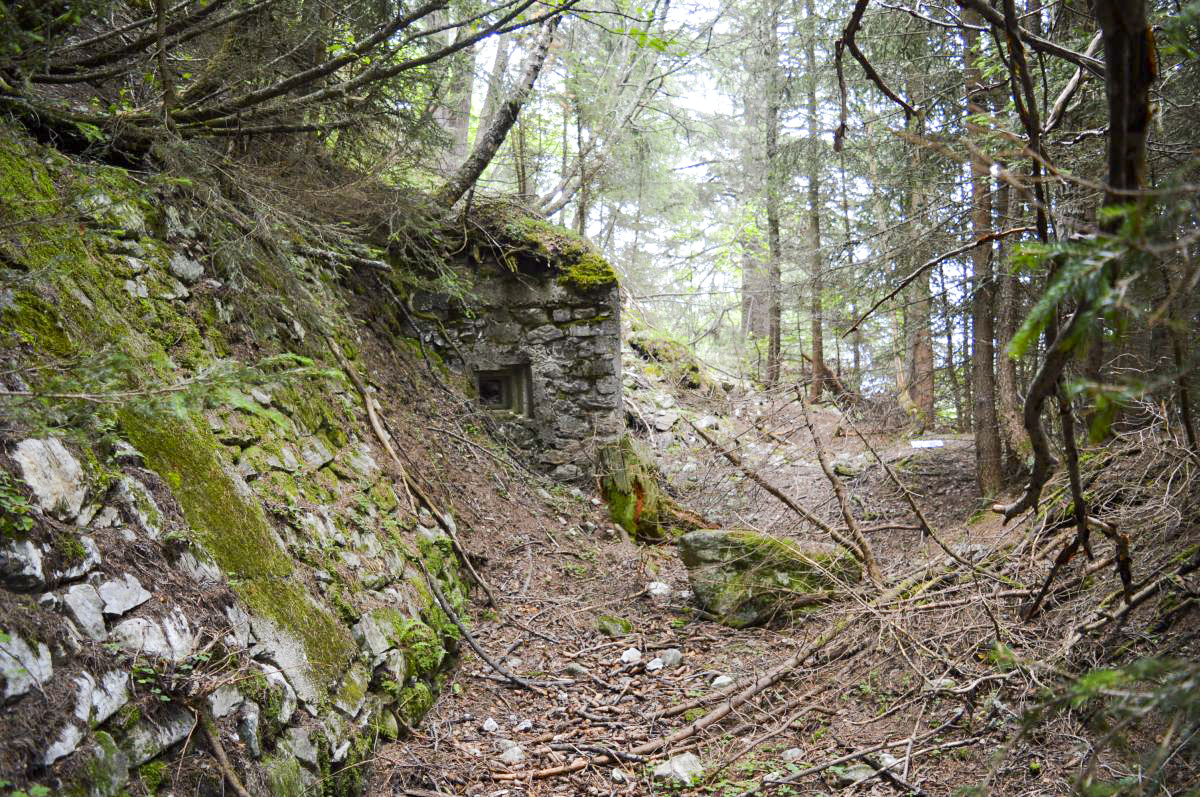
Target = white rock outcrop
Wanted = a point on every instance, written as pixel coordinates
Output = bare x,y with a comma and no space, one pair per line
53,474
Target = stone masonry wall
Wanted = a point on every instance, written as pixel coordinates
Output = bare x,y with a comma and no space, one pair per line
571,342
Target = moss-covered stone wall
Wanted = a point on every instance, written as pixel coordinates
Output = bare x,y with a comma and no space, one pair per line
543,301
237,552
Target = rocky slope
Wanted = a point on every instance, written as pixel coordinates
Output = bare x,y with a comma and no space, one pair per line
214,573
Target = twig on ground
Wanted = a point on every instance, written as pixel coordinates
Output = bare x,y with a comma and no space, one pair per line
475,646
376,426
806,514
866,554
214,741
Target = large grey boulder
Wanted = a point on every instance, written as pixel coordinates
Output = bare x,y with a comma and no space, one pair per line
86,607
21,566
682,769
53,474
746,578
80,567
120,595
64,744
150,737
172,639
108,770
109,695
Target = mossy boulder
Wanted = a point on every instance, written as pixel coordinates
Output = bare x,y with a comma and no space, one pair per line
675,361
632,485
612,626
745,578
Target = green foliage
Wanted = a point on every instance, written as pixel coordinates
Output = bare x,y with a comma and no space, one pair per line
27,29
1093,275
16,515
36,790
1180,32
1146,715
1082,273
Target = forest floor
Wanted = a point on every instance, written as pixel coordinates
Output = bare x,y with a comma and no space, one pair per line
913,686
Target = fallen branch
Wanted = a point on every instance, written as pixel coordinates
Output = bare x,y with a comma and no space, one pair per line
839,490
508,675
448,527
753,475
763,682
796,776
921,269
926,526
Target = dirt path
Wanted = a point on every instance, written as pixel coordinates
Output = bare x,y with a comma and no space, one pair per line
566,573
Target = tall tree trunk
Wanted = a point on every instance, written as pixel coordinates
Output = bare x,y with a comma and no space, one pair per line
820,372
856,339
988,472
918,334
956,391
488,143
496,80
1012,432
755,279
774,333
452,111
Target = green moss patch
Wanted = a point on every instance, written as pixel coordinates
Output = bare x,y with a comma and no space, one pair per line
671,360
631,484
529,244
231,526
590,273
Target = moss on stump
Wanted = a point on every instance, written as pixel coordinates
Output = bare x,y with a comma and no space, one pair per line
632,486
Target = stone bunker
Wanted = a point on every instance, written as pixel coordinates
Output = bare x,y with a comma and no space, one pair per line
539,337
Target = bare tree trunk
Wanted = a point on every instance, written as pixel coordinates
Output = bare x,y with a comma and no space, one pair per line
820,372
581,204
856,339
164,70
458,100
774,333
919,336
918,399
755,279
490,140
988,473
1011,431
520,164
950,372
495,89
452,109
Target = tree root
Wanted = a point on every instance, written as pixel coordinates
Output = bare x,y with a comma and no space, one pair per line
373,417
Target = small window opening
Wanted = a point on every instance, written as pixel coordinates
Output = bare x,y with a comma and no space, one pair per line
491,392
505,389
